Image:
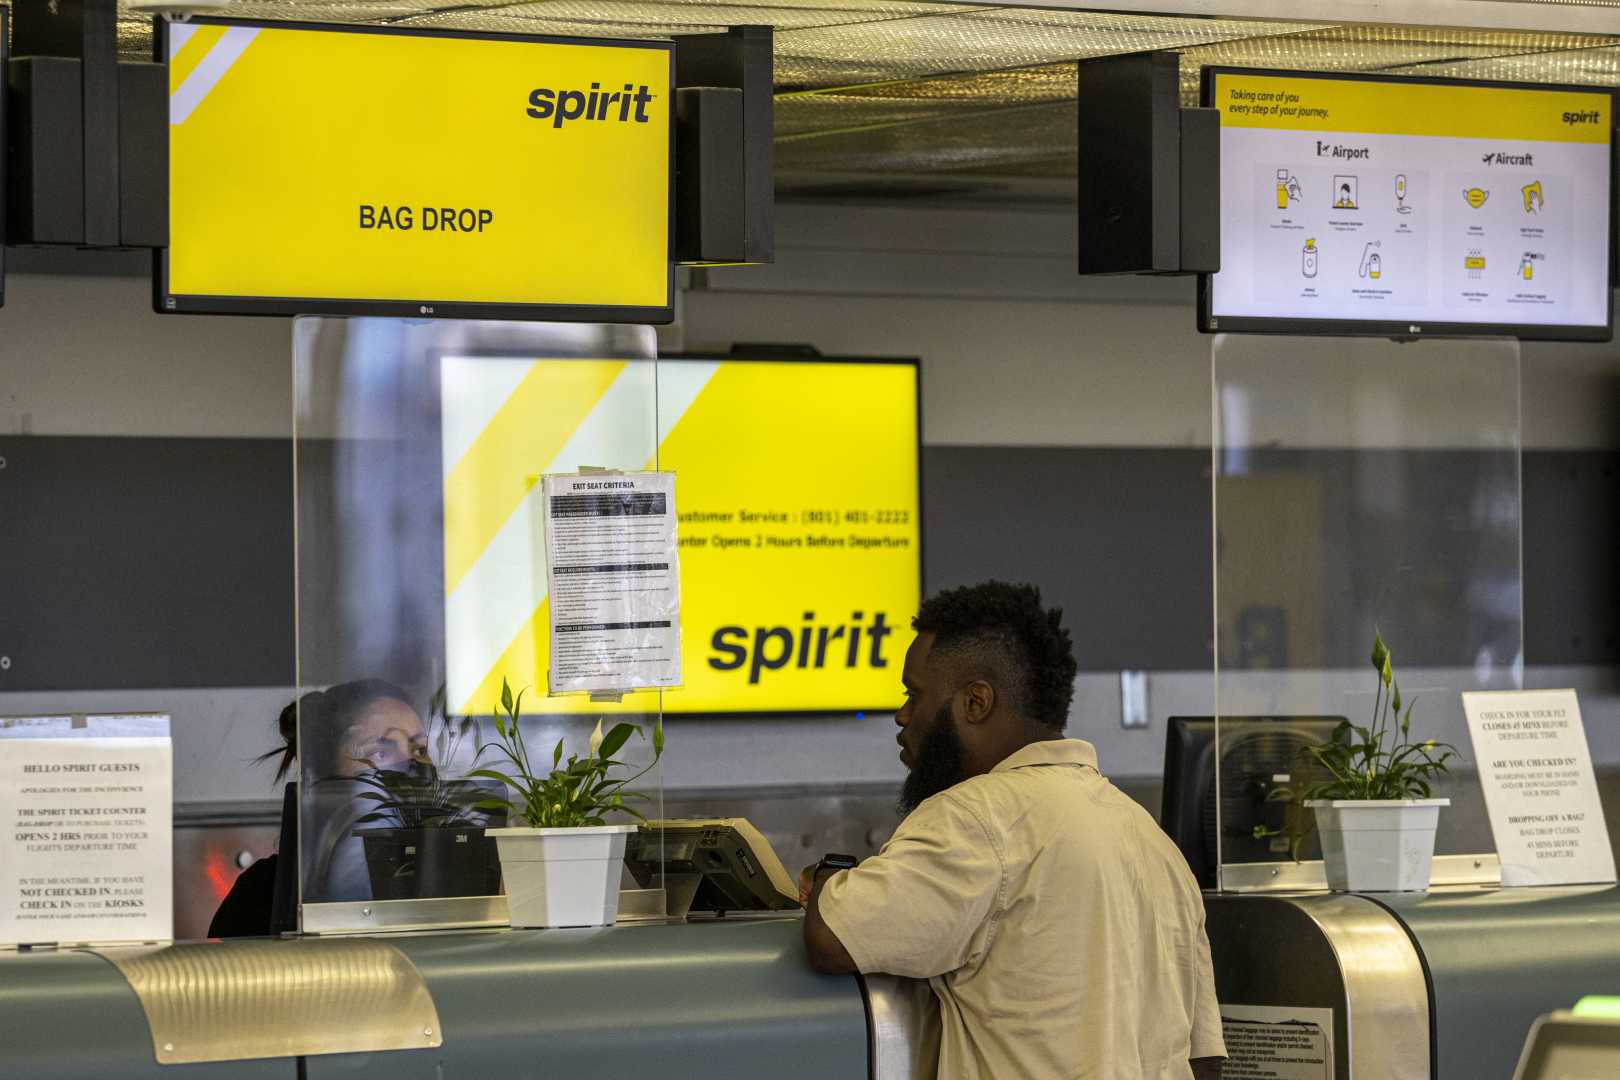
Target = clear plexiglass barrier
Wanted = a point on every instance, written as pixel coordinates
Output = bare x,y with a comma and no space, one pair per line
1360,487
422,588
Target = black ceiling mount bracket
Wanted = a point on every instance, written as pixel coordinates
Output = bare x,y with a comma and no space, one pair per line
88,150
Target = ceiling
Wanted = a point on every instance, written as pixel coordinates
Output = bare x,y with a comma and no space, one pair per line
970,101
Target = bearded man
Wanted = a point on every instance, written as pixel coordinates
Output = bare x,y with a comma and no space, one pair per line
1060,929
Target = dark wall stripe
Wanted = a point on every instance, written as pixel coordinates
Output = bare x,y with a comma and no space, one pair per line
140,563
151,563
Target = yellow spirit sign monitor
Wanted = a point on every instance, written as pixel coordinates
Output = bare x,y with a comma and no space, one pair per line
1407,207
797,503
365,170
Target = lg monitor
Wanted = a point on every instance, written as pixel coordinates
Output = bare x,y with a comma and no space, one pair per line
1389,206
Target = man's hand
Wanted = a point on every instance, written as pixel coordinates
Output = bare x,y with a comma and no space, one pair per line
827,954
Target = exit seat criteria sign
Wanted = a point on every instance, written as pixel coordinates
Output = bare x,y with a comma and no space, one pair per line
346,164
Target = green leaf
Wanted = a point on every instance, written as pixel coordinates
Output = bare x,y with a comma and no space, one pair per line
614,739
1395,702
1380,654
506,695
491,774
658,736
556,755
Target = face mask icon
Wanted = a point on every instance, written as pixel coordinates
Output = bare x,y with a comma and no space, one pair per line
1475,197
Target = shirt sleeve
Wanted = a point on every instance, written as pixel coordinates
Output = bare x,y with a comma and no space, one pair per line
1208,1041
928,903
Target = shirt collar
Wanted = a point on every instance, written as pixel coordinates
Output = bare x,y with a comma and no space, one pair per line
1051,752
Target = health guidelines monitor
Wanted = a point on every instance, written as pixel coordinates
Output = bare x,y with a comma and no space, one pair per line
1406,207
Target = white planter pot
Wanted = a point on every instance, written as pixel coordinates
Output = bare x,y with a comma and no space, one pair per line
562,877
1377,845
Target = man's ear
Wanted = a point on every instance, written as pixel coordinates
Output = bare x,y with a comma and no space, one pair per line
978,701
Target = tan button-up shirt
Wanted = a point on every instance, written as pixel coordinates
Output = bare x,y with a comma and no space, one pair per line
1060,929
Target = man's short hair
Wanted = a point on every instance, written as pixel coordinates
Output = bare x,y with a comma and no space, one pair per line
1001,633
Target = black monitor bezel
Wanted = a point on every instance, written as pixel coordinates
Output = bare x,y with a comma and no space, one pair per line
1176,747
1210,323
165,302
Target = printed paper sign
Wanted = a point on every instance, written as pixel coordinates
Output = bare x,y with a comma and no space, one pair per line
1277,1043
1542,796
614,582
86,829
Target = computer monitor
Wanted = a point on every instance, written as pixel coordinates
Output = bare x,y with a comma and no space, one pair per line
1258,755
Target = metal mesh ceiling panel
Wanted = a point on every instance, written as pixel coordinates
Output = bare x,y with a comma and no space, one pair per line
1590,67
1010,142
983,40
1373,48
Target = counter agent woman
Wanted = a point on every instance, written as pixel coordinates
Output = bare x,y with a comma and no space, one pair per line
363,726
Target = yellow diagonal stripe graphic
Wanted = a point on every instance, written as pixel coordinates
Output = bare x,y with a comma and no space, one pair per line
523,664
530,427
183,63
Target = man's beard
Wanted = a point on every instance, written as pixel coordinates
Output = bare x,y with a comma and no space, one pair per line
939,763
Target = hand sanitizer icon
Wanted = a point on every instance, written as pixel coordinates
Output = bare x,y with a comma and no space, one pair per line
1372,265
1308,258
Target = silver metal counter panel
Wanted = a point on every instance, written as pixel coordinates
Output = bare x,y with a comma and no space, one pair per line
72,1016
904,1016
1328,951
1499,958
264,998
721,999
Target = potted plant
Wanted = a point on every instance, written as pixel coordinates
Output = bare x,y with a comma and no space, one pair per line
561,865
434,843
1374,810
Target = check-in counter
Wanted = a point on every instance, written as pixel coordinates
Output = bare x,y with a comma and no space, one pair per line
1444,985
718,998
1440,985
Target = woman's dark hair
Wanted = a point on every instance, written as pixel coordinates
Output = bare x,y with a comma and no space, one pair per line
331,712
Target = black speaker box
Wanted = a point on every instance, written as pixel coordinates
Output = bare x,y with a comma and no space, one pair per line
1149,170
724,188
